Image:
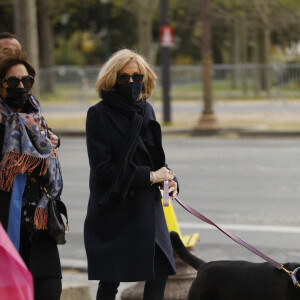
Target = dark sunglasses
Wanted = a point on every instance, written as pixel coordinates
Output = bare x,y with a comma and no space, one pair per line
124,78
14,81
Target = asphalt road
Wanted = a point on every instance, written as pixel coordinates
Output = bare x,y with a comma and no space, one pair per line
249,186
190,106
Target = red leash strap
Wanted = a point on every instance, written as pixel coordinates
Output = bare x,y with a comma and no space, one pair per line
231,235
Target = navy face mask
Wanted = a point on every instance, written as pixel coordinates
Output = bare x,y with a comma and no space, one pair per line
17,97
130,91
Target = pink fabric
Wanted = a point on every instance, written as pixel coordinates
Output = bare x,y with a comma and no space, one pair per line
15,279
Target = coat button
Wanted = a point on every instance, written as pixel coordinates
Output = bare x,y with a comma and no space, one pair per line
131,193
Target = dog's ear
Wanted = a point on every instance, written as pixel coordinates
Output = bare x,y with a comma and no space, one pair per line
174,234
175,238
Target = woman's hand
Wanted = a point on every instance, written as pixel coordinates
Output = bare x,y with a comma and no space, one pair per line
173,188
161,175
53,139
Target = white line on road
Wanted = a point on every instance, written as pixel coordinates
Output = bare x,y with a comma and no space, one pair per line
244,227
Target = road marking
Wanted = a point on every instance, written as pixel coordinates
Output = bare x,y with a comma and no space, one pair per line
243,227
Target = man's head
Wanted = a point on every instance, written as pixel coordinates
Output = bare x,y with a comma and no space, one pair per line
9,44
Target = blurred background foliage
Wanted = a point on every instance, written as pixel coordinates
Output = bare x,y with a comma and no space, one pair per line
86,32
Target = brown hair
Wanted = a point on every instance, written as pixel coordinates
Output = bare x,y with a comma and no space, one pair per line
9,61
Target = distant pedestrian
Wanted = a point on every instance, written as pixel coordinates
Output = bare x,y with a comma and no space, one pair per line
126,236
9,44
28,164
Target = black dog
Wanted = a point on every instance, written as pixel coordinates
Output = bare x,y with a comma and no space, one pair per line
237,280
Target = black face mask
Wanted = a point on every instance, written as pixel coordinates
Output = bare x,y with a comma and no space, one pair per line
17,97
130,90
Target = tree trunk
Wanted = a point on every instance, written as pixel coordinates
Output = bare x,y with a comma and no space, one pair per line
46,46
266,56
25,22
244,56
256,71
235,53
145,14
208,123
264,37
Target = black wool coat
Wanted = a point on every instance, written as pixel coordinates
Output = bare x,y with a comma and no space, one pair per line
4,196
120,236
40,252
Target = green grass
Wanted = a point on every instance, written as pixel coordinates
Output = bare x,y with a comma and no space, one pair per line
221,90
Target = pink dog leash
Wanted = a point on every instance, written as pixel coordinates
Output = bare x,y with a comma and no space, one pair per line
166,193
231,235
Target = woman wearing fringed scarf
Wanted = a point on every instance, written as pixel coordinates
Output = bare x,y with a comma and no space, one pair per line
28,161
125,232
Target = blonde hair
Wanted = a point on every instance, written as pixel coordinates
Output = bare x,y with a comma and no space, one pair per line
108,73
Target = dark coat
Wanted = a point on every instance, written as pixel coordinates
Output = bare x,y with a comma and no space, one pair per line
4,196
120,236
41,253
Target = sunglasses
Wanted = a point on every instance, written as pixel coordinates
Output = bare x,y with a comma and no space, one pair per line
124,78
14,81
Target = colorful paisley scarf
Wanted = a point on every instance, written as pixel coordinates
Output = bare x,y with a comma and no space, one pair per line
26,147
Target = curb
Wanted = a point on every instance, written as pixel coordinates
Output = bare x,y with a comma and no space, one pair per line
74,290
76,293
238,132
74,264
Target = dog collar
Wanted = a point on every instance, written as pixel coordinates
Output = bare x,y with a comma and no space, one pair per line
293,275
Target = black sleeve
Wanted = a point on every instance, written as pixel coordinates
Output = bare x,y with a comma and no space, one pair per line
4,196
99,147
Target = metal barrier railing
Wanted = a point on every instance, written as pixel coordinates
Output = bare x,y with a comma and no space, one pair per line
229,81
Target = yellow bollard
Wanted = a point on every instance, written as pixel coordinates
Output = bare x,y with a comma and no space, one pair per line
188,240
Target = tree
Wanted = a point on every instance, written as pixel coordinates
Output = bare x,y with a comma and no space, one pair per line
145,11
258,24
46,44
208,123
184,17
25,20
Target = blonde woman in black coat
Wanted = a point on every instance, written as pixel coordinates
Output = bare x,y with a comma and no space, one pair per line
126,235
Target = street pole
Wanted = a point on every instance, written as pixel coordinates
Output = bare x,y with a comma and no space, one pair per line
208,122
165,63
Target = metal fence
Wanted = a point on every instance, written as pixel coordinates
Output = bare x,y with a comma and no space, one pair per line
274,81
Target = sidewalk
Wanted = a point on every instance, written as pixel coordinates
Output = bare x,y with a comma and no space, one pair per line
74,279
76,285
235,118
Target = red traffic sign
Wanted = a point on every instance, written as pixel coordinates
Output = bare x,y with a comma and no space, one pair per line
166,36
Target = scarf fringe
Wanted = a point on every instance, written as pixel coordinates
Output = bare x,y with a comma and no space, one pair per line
15,163
41,218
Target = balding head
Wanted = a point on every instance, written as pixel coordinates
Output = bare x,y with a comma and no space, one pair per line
9,44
